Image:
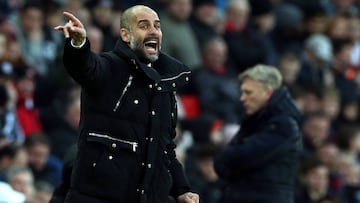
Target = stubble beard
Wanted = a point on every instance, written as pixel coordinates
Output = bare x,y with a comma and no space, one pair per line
138,47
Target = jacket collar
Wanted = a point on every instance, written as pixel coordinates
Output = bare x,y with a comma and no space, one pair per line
166,68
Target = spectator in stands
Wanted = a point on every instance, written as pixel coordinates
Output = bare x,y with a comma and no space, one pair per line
259,164
10,127
65,133
341,7
354,34
348,141
315,65
245,46
262,19
38,48
203,21
314,182
289,67
315,129
21,179
345,75
201,173
7,156
179,39
289,29
216,85
328,154
350,173
331,104
102,17
26,109
96,38
338,27
44,166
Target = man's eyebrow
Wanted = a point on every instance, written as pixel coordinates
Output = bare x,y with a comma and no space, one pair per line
147,21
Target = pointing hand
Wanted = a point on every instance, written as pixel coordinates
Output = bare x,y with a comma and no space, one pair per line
73,29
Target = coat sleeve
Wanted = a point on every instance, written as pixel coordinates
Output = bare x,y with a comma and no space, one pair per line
256,151
83,65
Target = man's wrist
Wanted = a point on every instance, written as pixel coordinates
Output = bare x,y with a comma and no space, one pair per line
78,43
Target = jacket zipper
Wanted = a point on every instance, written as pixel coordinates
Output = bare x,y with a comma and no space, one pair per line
133,144
123,93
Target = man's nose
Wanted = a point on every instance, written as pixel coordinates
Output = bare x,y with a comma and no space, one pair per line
154,30
242,98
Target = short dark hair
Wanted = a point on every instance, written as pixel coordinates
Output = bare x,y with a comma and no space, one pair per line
8,150
35,139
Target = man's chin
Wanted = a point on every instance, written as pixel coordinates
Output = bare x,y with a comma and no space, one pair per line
152,57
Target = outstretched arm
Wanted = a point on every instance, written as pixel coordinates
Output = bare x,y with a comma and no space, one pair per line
83,65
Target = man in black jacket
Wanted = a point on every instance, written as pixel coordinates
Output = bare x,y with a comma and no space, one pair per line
128,115
259,164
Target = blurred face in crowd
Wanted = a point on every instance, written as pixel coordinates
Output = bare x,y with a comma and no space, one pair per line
354,28
215,54
317,179
338,28
2,45
238,13
13,51
21,158
254,95
317,24
312,103
38,155
316,130
145,34
289,70
348,169
331,106
328,155
180,9
73,113
96,39
26,86
22,182
103,14
344,54
350,111
207,14
343,5
265,22
355,143
32,19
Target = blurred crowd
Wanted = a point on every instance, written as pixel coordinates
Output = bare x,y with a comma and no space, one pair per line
314,43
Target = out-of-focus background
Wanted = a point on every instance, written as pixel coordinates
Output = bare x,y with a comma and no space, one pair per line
314,43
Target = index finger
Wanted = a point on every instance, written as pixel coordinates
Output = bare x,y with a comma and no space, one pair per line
71,17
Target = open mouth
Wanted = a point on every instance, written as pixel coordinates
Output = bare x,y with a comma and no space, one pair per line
151,46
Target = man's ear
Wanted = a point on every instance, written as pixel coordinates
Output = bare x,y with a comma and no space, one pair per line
269,92
125,35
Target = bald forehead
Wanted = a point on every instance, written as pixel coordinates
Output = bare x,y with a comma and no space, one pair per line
143,10
136,13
